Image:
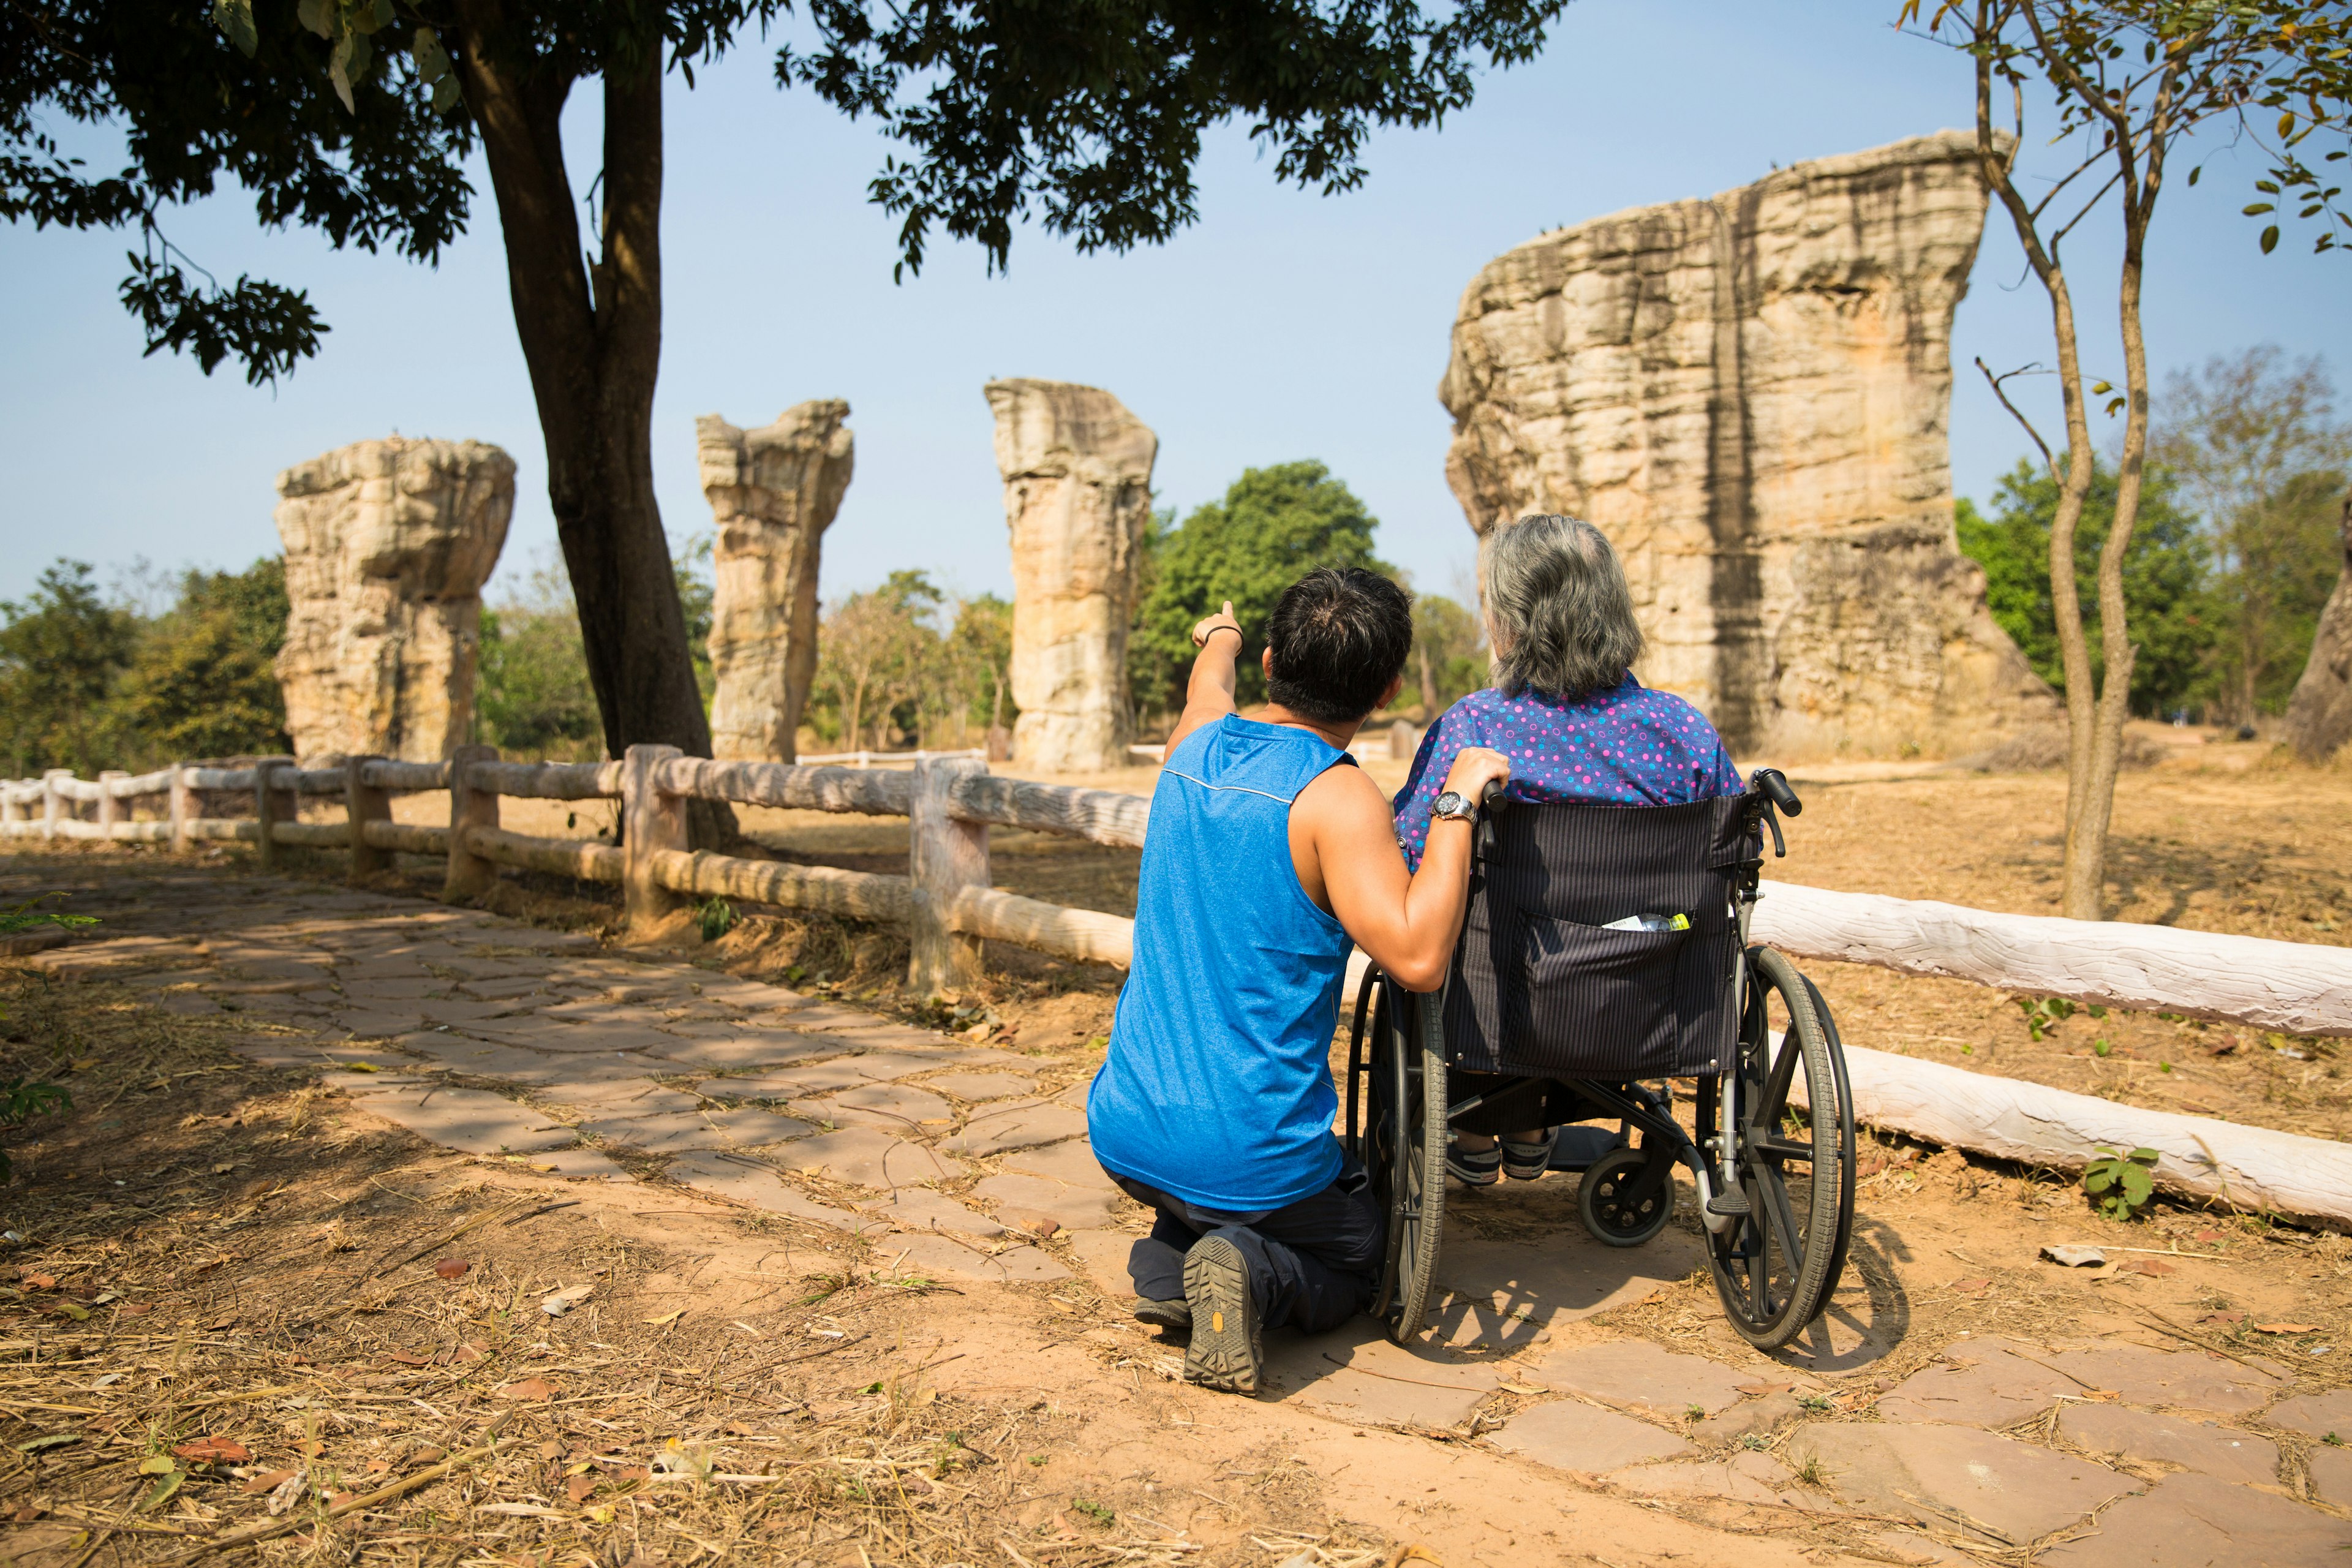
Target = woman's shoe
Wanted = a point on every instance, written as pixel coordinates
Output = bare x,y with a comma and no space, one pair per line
1526,1161
1474,1167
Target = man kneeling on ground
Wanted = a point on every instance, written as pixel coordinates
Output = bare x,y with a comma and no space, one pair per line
1269,852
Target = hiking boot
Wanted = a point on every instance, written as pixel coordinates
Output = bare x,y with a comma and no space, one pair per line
1228,1349
1176,1315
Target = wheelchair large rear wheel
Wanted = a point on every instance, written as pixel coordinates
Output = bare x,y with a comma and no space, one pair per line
1775,1267
1404,1151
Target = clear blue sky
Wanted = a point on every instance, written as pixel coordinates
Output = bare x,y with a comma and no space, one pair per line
1284,325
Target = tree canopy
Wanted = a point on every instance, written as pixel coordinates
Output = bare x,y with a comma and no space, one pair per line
2166,581
1273,525
89,683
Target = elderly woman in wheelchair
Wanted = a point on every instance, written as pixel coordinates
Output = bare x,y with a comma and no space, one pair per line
1604,956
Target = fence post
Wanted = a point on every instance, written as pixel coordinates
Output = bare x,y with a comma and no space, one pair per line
944,856
469,876
363,804
650,821
272,804
52,804
109,809
183,807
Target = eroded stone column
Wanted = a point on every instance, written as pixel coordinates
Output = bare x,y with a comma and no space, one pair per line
387,546
775,492
1077,492
1750,394
2319,716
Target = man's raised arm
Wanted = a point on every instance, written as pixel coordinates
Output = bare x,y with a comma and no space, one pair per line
1208,695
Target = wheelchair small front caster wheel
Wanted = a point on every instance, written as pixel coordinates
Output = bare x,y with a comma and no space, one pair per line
1626,1197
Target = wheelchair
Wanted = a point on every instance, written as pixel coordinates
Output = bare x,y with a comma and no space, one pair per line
1564,1005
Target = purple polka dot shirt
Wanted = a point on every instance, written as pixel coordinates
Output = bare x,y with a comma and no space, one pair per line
1628,746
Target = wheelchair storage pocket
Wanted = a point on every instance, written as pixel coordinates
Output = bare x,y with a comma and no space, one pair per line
1608,996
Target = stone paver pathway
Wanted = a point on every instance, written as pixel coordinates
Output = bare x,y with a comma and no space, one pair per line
516,1044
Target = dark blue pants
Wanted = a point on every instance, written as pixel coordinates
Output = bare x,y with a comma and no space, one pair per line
1313,1264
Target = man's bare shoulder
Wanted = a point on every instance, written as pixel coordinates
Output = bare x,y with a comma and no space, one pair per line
1342,797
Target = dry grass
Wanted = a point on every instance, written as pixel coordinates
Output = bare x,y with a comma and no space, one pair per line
209,1255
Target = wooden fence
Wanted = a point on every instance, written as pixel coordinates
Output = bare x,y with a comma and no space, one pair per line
949,906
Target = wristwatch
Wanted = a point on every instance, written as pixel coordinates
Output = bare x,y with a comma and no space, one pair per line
1454,805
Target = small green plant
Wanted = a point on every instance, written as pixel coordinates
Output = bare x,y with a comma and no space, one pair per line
1812,1473
715,918
1093,1510
2333,1441
1815,1402
1754,1443
1038,1460
2123,1184
21,1100
30,915
2100,1048
1695,1413
2043,1014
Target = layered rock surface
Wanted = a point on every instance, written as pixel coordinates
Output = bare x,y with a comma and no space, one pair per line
1749,394
2319,716
387,546
1077,491
774,492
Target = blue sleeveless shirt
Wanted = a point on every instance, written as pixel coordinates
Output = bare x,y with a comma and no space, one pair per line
1218,1086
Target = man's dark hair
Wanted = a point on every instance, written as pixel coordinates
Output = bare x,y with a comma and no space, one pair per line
1339,634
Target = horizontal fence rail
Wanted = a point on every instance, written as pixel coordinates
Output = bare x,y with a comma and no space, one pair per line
948,904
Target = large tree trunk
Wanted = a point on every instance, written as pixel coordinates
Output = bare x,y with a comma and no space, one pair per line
591,337
592,345
2319,716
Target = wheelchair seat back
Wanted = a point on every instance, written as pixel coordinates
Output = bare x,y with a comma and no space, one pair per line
1560,976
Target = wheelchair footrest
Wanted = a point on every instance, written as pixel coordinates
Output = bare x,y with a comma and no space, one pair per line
1729,1205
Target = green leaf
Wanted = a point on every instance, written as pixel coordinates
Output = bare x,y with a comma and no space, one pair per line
318,15
2286,123
2137,1185
2255,209
2114,404
2267,187
165,1490
235,20
2146,1156
432,59
47,1440
2270,239
2101,389
2194,172
2098,1179
384,14
445,94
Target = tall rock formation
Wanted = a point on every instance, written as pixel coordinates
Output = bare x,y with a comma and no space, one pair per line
387,546
2319,715
775,492
1749,395
1077,491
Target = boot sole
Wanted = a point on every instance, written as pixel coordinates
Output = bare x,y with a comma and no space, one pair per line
1225,1353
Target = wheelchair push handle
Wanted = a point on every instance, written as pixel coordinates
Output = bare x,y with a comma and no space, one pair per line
1775,785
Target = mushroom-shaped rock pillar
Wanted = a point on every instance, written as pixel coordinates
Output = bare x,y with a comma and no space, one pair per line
773,492
1077,493
387,546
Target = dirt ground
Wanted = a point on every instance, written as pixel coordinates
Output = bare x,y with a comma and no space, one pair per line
205,1252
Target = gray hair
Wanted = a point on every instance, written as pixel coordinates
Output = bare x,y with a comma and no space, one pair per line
1558,608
